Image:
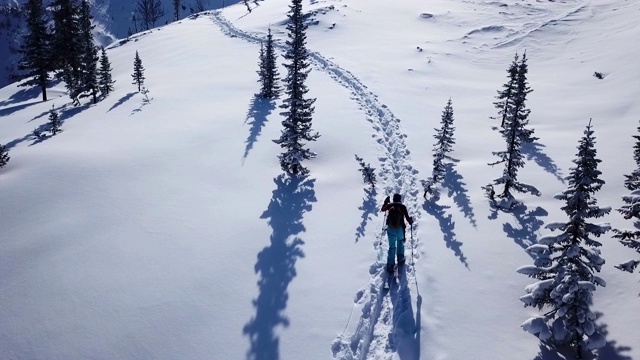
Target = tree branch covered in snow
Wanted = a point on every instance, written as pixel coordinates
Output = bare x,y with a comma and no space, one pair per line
565,263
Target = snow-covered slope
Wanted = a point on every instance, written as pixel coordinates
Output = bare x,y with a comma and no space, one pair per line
167,231
113,19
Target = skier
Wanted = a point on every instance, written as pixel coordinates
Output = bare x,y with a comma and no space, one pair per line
396,229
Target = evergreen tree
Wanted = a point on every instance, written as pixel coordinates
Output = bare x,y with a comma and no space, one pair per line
631,209
504,96
515,134
66,46
565,263
630,238
138,72
89,55
268,70
54,121
633,180
444,143
36,59
298,110
176,9
368,173
4,156
105,81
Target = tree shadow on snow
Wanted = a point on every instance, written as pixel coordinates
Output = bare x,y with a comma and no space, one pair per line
10,110
453,182
406,329
533,151
610,351
447,226
529,223
23,95
276,264
65,112
369,207
259,110
122,100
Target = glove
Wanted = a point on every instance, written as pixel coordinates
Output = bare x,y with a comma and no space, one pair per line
387,200
410,222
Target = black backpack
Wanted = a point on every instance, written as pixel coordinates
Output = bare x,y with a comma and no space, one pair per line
394,218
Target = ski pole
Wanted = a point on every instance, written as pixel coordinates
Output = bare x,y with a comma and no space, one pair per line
412,258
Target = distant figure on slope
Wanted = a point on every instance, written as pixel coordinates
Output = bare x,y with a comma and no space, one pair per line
396,229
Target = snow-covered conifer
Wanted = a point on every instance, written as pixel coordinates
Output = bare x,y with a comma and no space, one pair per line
632,181
631,210
368,173
444,143
36,50
54,121
105,81
268,70
504,96
4,156
138,72
566,263
298,110
515,134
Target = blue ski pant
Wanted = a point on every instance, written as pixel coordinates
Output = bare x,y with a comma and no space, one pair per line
396,240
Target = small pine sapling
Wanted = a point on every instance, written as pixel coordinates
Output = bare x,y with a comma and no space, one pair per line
368,173
146,99
54,121
138,72
4,156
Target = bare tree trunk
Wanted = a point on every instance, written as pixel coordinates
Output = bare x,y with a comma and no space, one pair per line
150,12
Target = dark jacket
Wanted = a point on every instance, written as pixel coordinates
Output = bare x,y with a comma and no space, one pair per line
388,206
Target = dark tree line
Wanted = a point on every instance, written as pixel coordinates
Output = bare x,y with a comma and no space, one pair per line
68,50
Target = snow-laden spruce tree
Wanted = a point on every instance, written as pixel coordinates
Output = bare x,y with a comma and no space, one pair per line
566,262
36,50
504,96
4,156
443,146
138,72
298,110
105,81
632,181
631,209
268,70
515,134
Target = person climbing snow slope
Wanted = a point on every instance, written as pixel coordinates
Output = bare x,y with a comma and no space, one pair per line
396,229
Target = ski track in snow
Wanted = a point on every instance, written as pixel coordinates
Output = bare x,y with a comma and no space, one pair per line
379,330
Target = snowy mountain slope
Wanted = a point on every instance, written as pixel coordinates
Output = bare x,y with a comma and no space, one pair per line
112,20
165,230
